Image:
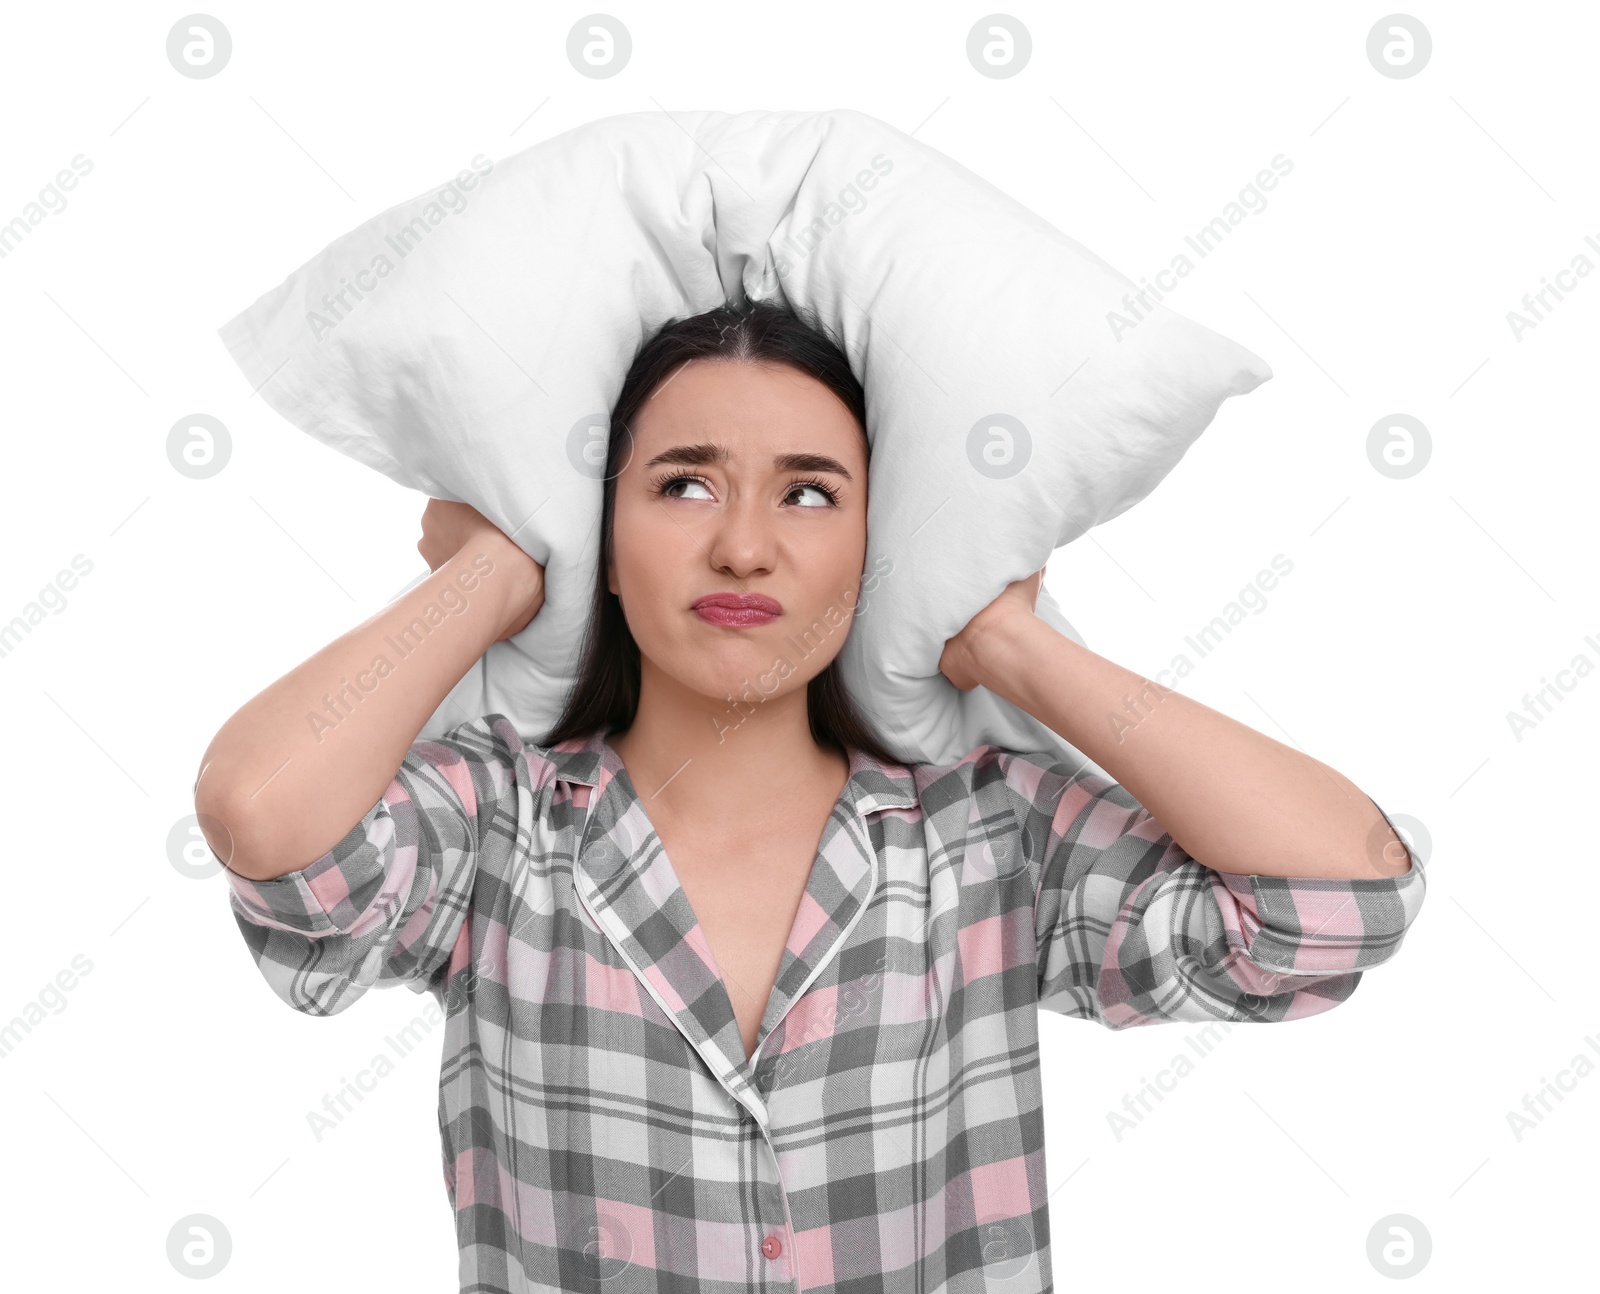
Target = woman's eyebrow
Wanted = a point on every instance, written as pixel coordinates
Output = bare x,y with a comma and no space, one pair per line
707,454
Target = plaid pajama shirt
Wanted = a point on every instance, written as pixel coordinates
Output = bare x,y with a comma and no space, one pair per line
600,1119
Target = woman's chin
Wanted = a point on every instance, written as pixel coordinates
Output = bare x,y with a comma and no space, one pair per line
748,674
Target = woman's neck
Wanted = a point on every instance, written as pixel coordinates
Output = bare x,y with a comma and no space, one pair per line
690,763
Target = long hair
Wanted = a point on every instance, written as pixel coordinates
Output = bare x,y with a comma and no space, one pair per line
607,691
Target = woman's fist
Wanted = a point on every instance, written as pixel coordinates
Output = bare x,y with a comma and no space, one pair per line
448,527
959,660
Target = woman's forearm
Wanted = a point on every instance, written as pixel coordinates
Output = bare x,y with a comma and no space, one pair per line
297,765
1232,798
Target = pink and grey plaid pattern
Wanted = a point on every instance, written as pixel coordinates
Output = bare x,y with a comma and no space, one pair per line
599,1116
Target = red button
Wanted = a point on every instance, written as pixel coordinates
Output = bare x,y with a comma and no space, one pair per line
772,1246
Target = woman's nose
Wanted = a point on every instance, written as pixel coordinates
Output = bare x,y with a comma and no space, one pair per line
743,537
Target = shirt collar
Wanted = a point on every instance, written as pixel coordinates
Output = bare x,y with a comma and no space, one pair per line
872,786
624,878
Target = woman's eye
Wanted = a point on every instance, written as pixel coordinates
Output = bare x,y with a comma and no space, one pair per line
668,488
823,498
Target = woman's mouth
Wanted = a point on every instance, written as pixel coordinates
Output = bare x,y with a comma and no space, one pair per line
737,610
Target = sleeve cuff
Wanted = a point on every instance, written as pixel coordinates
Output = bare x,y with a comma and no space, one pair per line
1319,926
327,896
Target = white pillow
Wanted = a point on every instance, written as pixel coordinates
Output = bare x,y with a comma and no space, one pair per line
469,343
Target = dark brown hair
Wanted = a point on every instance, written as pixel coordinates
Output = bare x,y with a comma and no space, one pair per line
607,692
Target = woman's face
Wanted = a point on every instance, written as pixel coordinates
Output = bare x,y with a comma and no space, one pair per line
727,491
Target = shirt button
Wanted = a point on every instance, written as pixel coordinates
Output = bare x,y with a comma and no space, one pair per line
772,1246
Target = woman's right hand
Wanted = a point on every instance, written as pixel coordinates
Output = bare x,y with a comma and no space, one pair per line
448,527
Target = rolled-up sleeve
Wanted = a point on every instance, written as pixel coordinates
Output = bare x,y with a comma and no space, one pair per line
1131,930
389,903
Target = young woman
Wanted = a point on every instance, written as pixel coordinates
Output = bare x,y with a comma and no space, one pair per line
734,997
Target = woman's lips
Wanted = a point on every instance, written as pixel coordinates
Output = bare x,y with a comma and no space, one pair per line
737,610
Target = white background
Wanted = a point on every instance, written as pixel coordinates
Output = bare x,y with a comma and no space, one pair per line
1419,612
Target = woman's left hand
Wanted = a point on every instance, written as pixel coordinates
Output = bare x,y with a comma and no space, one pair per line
959,660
